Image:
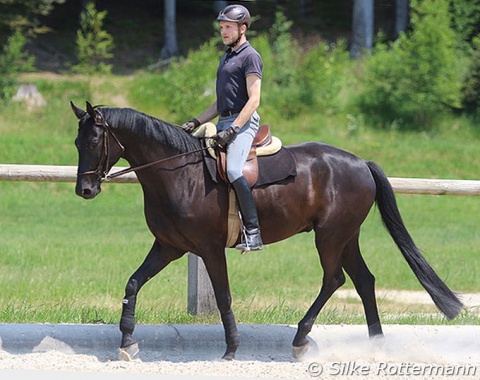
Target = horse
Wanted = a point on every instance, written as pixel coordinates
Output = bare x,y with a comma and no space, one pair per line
186,211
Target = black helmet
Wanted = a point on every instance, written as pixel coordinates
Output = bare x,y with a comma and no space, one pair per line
235,13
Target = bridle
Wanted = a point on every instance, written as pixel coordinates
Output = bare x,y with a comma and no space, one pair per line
102,170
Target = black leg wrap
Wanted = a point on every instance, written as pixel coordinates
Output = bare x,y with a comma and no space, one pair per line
232,337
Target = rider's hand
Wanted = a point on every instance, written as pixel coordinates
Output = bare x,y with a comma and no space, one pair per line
190,125
223,138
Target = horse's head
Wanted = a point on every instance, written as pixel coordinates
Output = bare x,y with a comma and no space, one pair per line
98,150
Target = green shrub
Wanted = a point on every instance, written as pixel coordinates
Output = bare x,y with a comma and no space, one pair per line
94,45
184,90
321,74
465,21
419,75
13,61
279,55
471,86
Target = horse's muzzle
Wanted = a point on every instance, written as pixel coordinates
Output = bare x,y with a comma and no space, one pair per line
87,190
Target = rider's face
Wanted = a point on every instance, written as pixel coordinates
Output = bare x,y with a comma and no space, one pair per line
229,32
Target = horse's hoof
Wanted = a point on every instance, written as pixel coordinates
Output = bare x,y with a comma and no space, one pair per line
300,353
228,356
127,354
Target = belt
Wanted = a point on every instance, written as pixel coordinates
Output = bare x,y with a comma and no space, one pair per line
228,113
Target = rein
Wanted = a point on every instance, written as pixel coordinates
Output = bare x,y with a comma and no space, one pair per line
105,176
108,177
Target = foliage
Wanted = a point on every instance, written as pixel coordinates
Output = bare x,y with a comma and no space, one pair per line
280,55
466,20
13,61
283,49
471,86
94,45
321,75
417,76
23,15
184,90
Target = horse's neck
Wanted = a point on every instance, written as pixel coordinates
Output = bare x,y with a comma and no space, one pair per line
139,149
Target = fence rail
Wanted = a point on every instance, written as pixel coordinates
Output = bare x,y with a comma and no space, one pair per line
45,173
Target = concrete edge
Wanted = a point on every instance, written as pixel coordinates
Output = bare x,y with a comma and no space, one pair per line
184,340
83,338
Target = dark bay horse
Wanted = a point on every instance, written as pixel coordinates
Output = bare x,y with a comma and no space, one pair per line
186,211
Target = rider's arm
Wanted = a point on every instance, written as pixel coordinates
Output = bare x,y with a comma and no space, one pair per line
254,87
209,114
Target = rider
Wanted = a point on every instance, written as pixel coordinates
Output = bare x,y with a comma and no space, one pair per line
238,88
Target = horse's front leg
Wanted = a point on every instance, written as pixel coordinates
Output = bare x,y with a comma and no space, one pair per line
217,270
157,259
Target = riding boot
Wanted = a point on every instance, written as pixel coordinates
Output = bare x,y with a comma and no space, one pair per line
252,240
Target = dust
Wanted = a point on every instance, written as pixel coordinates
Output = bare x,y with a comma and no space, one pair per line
343,352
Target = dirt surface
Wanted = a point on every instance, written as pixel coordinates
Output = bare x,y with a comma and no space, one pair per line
440,352
194,351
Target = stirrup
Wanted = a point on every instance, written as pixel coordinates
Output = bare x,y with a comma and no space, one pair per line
251,241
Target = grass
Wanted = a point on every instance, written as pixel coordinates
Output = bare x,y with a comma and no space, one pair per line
64,259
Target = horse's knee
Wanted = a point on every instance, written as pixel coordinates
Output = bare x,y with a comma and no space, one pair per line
131,288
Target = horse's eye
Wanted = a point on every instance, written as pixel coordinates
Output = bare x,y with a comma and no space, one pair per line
93,144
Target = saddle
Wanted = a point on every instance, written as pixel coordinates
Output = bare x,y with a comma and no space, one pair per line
263,144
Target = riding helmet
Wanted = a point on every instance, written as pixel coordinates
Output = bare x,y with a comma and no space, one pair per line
235,13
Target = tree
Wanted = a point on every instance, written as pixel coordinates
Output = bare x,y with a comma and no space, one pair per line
13,60
401,16
412,80
362,27
94,45
170,46
23,15
219,5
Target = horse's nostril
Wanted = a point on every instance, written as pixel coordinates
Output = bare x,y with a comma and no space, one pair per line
86,192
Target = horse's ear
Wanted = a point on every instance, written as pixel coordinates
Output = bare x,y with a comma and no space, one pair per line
79,113
90,110
94,114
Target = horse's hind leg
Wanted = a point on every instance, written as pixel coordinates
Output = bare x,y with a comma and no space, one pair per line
364,282
333,278
157,259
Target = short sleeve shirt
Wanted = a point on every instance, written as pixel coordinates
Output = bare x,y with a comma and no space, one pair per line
232,71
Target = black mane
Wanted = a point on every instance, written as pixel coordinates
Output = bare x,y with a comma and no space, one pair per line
150,128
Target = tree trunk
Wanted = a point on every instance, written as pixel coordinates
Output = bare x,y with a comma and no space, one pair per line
170,46
401,16
362,27
219,5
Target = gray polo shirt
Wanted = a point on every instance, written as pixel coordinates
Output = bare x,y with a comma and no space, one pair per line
232,71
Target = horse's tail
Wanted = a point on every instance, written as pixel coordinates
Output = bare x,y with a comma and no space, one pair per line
445,300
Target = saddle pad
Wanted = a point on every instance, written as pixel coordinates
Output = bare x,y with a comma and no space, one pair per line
209,129
271,169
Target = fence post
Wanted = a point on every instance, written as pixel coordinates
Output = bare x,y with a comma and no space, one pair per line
201,299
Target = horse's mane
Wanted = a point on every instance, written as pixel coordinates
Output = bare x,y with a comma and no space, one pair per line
150,128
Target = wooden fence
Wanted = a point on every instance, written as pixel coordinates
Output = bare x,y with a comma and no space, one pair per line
200,292
43,173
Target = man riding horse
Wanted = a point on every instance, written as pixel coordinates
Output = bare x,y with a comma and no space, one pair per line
239,78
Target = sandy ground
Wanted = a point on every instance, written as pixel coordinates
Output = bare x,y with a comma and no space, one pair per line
440,352
345,351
